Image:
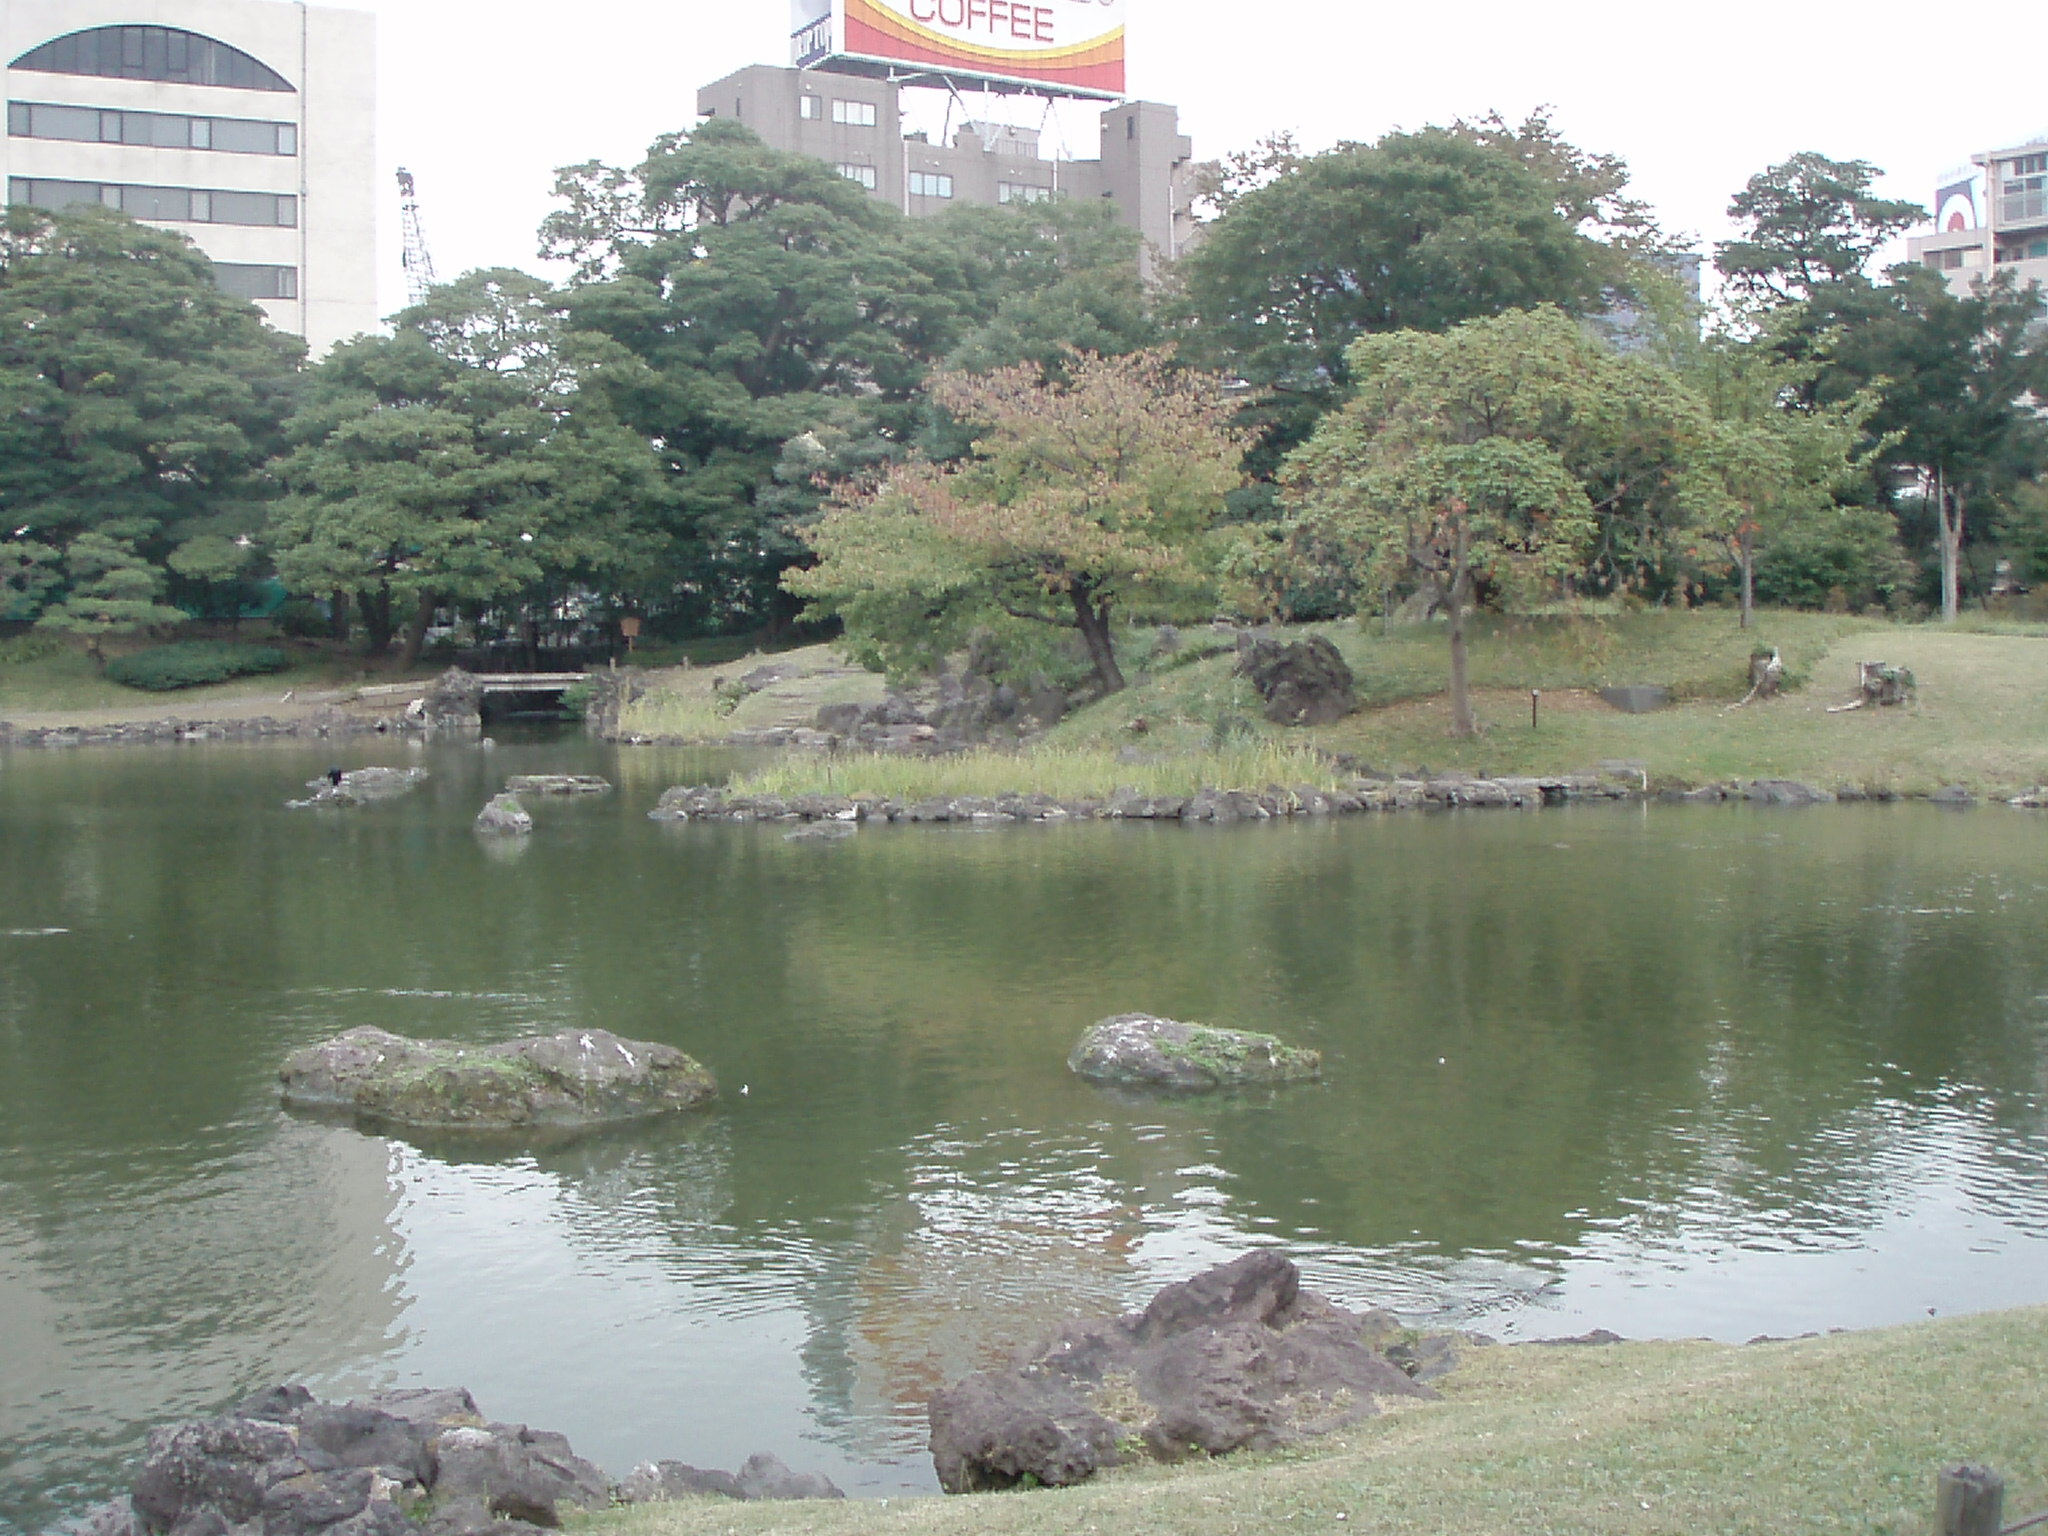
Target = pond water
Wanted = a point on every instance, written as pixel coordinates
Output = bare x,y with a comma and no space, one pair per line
1670,1071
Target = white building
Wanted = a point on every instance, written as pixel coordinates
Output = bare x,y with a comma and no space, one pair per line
1992,217
246,125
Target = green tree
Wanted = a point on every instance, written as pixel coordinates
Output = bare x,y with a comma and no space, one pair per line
141,402
1416,232
458,460
1772,467
1084,497
753,296
1460,457
111,590
1809,222
1958,379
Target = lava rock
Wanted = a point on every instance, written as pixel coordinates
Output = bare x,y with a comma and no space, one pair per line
575,1079
557,784
504,815
1143,1049
1305,682
1784,792
519,1473
1239,1357
763,1476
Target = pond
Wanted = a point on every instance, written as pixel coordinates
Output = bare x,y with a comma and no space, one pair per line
1664,1070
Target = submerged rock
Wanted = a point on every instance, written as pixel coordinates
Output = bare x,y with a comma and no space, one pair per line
504,815
557,784
571,1080
1143,1049
1237,1358
360,786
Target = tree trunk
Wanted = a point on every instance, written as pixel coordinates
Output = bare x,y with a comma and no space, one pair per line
1455,597
337,617
1747,555
375,607
416,635
1092,619
1946,498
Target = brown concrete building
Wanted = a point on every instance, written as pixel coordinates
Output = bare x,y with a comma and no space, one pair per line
856,124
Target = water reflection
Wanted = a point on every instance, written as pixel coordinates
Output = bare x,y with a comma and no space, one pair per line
1675,1072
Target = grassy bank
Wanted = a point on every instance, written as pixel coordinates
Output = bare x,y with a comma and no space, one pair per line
66,685
1843,1433
1981,717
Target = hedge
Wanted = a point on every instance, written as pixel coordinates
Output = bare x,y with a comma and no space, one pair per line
190,663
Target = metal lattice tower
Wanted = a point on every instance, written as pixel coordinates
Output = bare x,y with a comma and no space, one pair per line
419,265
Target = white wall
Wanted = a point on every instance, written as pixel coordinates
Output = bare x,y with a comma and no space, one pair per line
328,55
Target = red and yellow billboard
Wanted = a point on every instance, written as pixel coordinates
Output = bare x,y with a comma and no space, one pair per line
1071,47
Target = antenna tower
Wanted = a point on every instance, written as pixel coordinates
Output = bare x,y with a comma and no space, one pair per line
419,265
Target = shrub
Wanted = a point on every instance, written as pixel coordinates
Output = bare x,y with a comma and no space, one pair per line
191,663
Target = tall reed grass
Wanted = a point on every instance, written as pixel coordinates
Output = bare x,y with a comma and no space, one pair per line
1064,772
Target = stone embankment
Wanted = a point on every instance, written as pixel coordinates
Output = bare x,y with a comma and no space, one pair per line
413,1462
700,802
708,803
319,722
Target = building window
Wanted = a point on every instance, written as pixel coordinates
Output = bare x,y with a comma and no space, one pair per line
809,106
864,174
1021,192
1945,261
165,205
854,114
158,130
152,53
2036,249
930,184
2027,165
249,282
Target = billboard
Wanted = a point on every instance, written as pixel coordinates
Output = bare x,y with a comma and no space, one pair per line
1067,47
1955,200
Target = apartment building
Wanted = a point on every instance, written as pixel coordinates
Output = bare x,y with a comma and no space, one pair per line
246,125
855,123
1991,217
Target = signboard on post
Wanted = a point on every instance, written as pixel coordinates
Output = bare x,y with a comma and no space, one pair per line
1064,47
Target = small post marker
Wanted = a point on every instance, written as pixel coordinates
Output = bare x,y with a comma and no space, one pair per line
1968,1501
1534,695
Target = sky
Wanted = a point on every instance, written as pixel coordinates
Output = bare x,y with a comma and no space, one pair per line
482,102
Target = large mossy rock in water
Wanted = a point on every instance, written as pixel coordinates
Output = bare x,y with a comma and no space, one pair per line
1239,1358
576,1079
1143,1050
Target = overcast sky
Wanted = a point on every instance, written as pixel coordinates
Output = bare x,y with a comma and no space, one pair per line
481,102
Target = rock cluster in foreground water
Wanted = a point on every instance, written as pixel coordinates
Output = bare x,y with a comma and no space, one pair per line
573,1080
1144,1050
415,1462
1238,1358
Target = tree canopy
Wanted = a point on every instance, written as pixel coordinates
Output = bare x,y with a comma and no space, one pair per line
1085,496
142,405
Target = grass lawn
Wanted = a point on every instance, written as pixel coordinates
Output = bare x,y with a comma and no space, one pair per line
68,683
1837,1434
1980,718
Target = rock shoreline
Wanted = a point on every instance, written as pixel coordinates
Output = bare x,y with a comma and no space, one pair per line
325,722
704,802
408,1462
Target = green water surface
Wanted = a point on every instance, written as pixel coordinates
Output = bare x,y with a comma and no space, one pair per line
1669,1071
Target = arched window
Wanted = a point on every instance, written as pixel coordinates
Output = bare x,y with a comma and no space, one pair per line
152,53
